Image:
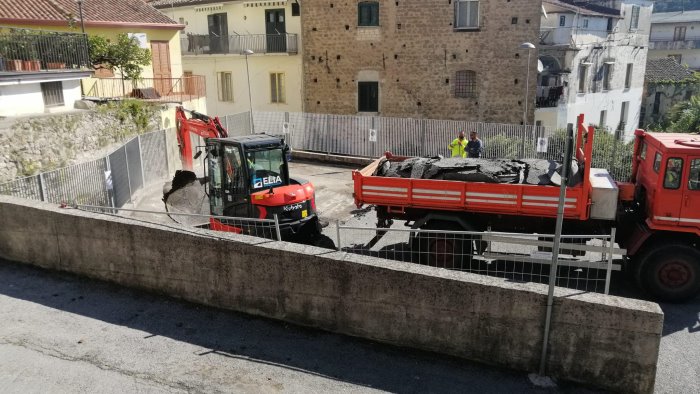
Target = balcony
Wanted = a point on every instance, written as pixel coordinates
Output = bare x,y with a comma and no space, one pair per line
203,44
165,90
32,51
548,96
670,44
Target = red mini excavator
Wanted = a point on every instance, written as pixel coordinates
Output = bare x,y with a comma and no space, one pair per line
246,177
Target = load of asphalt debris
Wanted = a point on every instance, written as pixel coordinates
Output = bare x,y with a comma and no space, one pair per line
523,171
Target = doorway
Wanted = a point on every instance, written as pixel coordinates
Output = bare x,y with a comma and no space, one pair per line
276,30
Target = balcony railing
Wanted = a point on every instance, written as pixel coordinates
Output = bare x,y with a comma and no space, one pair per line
25,50
203,44
670,44
171,90
548,96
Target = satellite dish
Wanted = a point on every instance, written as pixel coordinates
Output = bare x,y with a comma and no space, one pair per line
540,66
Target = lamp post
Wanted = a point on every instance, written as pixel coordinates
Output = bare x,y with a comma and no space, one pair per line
529,46
250,99
82,29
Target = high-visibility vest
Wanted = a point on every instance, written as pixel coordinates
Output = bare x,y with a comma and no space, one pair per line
458,148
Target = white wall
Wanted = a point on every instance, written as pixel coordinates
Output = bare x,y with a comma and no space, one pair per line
26,98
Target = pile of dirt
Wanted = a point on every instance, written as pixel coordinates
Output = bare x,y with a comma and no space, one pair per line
525,171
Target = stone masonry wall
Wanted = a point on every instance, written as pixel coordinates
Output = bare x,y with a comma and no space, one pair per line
30,145
416,52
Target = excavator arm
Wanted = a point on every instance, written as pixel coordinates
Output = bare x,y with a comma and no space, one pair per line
198,123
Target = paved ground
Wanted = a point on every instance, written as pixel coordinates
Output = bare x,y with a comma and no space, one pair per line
62,334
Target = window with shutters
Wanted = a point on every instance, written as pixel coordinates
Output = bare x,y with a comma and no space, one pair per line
368,96
368,13
52,93
466,14
628,76
634,22
582,75
607,75
224,83
465,84
277,88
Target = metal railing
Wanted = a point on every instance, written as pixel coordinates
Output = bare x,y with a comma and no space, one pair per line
110,181
548,96
371,136
153,89
27,50
205,44
671,44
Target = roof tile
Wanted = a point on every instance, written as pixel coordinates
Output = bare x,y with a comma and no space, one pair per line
666,69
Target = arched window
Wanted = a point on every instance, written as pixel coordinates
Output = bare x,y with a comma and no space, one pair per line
368,13
465,84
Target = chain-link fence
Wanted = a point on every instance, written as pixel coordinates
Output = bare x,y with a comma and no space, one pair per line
371,136
585,261
109,181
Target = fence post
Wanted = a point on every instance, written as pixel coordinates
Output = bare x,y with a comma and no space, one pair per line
555,246
326,135
422,148
128,176
143,173
610,260
337,234
165,146
42,187
110,190
277,228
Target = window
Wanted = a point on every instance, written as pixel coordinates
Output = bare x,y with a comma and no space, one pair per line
465,84
628,76
466,14
585,23
657,103
674,171
182,22
562,20
603,118
582,75
611,24
679,33
677,58
277,88
643,151
296,11
52,93
694,176
368,13
623,114
607,75
224,83
634,22
368,96
267,168
657,162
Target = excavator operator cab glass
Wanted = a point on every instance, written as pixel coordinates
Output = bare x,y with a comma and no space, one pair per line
266,168
214,164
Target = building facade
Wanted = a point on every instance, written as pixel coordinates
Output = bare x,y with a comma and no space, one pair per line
676,35
457,59
593,58
214,44
666,84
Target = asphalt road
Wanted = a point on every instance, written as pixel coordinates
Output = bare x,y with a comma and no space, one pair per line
61,333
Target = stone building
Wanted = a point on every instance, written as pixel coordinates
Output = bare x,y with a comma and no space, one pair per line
447,59
666,83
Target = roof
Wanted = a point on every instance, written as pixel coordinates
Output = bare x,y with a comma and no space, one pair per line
676,17
254,141
179,3
679,142
95,13
582,7
666,69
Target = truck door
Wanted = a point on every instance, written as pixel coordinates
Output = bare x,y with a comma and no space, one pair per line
236,193
690,209
668,201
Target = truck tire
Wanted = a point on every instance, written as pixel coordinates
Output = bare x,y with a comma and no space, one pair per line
448,251
670,272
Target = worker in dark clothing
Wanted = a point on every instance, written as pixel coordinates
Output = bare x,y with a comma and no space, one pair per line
474,147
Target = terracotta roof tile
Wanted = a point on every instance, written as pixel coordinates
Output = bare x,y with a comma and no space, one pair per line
94,11
666,69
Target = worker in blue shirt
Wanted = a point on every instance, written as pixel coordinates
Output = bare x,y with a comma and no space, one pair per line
474,147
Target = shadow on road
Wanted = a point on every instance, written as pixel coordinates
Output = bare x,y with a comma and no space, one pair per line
260,340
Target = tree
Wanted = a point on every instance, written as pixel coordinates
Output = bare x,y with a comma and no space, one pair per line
684,117
124,54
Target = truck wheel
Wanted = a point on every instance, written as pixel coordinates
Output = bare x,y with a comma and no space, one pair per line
443,250
670,272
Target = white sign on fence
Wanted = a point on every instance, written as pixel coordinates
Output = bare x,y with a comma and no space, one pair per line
372,135
285,128
542,143
108,180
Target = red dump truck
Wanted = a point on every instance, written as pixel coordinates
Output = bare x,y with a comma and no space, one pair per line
656,213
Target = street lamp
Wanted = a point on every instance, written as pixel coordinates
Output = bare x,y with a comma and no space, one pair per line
528,46
250,99
82,29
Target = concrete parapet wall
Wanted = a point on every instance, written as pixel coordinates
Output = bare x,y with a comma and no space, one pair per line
606,341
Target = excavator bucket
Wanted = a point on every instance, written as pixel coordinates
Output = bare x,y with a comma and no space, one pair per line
185,196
